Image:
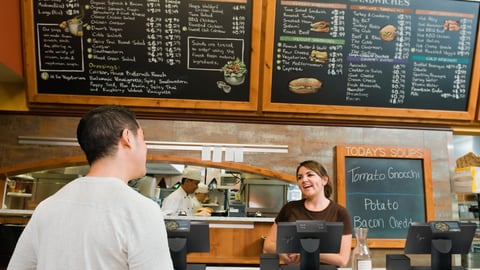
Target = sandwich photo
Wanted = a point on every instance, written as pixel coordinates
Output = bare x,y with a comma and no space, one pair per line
388,32
451,25
320,26
304,85
318,56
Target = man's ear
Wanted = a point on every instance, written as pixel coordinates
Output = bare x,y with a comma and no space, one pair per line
128,139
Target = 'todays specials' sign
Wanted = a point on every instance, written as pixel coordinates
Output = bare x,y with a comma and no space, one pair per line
384,188
150,48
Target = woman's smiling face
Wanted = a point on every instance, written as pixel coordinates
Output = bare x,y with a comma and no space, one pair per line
309,182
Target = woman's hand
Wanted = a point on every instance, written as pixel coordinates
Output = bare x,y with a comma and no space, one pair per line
291,258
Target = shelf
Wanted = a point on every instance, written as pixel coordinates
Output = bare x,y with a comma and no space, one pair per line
19,194
227,187
210,204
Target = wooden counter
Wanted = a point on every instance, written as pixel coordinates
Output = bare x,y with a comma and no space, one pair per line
233,240
14,216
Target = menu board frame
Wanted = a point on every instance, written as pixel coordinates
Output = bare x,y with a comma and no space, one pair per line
385,152
36,99
365,112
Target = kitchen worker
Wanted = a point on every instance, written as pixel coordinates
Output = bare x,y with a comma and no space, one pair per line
201,194
98,221
181,201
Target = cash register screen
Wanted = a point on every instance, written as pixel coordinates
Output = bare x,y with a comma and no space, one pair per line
185,236
440,239
265,199
310,238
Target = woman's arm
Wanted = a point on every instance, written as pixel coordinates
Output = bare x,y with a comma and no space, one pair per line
270,246
270,242
340,259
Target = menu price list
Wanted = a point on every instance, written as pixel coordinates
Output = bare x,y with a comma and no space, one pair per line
148,48
375,53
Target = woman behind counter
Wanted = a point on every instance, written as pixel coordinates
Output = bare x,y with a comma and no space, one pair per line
316,188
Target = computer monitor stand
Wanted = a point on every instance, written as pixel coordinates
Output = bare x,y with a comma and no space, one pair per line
196,266
441,257
297,267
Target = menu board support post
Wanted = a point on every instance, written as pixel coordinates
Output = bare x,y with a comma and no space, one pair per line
385,188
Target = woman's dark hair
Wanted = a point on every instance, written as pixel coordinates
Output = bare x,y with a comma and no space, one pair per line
100,129
321,171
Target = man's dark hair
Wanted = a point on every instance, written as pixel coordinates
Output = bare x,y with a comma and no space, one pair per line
100,129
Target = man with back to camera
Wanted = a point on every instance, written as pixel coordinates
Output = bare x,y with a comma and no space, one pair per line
180,202
98,221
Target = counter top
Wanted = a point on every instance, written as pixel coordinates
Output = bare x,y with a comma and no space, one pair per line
229,219
257,268
18,212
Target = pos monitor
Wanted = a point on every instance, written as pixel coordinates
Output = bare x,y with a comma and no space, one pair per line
185,236
309,238
441,239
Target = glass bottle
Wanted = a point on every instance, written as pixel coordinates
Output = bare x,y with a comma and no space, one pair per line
361,259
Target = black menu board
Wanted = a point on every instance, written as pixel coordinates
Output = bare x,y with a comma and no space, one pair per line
172,49
410,54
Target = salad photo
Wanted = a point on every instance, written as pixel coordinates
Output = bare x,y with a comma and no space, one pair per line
234,72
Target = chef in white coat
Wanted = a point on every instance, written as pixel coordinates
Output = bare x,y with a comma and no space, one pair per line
201,195
181,201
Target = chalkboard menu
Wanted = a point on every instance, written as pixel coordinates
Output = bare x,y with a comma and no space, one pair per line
385,195
385,189
407,54
161,49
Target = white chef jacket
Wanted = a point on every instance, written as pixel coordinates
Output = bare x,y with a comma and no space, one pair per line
196,204
178,201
